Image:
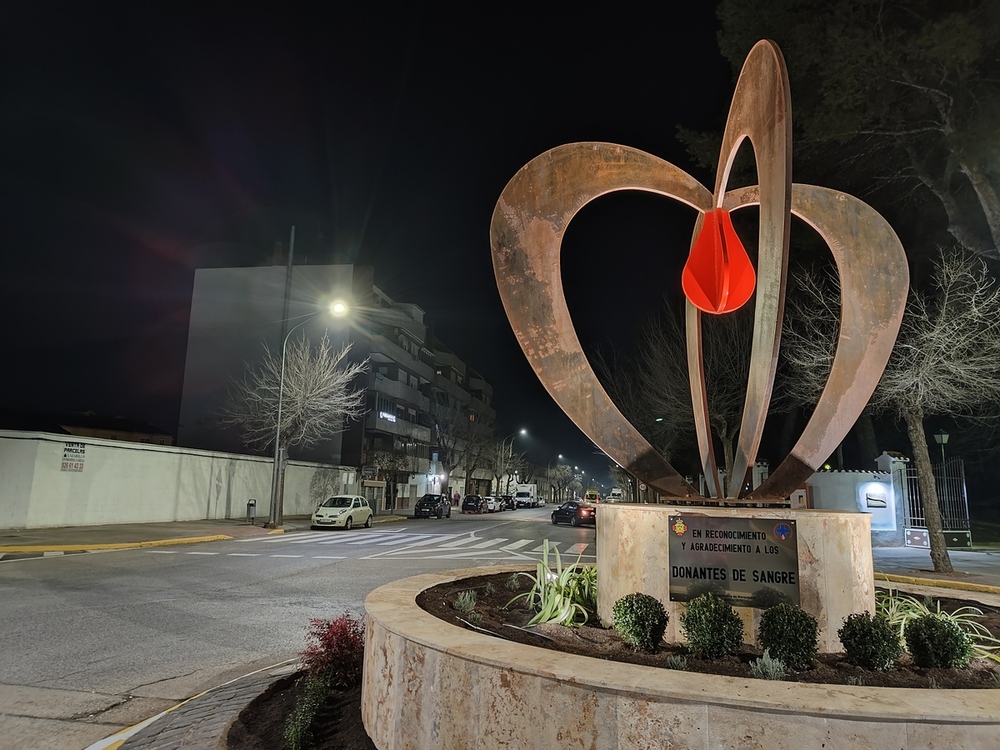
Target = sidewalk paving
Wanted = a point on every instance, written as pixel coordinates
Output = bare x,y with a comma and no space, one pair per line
199,722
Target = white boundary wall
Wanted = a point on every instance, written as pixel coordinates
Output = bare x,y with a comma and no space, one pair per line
141,483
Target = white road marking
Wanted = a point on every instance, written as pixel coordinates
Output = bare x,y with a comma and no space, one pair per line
243,554
202,553
160,551
286,555
576,549
518,544
328,557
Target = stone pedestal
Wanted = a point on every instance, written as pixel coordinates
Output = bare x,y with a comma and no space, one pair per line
834,557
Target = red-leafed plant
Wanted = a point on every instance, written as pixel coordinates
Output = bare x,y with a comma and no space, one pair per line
335,649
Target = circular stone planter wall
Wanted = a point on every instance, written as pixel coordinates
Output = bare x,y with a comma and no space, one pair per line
429,684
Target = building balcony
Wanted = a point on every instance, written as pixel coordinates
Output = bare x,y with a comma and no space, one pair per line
391,424
400,391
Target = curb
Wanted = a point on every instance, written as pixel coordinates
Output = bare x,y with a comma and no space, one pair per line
113,545
28,548
938,583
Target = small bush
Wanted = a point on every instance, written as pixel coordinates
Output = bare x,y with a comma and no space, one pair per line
475,618
489,589
298,725
766,668
678,662
640,620
466,601
712,627
790,633
936,641
870,641
765,598
513,582
335,649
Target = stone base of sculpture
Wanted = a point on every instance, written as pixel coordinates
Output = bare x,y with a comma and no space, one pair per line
835,575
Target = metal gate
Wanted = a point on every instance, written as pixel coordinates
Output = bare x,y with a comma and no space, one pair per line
949,480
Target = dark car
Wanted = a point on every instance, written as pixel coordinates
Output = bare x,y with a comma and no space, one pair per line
575,513
507,501
432,505
472,504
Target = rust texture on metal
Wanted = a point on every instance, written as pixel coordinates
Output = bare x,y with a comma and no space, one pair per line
526,233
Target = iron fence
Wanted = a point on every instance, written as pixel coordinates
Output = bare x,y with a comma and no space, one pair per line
949,480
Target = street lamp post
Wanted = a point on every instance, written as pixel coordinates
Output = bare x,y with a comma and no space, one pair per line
941,438
275,515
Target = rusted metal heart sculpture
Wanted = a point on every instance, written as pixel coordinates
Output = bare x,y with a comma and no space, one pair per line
535,208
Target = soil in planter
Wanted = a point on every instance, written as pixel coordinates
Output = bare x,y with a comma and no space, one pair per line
261,725
492,596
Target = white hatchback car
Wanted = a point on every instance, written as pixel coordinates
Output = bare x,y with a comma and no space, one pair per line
491,504
343,511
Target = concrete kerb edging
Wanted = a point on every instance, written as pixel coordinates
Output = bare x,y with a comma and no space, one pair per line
937,583
114,545
410,653
22,548
118,738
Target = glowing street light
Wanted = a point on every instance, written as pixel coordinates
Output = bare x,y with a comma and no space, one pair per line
338,308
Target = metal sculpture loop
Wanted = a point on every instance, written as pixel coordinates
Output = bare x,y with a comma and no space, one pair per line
536,206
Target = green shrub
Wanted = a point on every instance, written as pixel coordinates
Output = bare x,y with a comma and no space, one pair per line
298,725
513,582
466,601
766,597
475,618
335,649
766,668
680,663
712,627
489,589
870,641
563,596
936,641
790,633
640,620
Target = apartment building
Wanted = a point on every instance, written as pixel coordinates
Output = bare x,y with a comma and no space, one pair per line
424,403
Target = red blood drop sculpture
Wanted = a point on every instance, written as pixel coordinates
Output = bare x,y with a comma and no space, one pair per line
718,276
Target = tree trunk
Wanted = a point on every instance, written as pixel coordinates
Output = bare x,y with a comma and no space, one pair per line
864,432
988,200
914,417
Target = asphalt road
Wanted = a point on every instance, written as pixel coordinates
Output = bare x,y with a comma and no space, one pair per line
96,642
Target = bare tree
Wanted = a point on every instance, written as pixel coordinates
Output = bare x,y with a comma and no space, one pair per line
461,434
559,478
394,467
504,462
946,360
312,390
662,377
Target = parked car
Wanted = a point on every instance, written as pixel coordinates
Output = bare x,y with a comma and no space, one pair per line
508,502
342,511
432,505
472,504
575,513
491,504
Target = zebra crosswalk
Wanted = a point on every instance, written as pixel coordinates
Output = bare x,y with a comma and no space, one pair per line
411,545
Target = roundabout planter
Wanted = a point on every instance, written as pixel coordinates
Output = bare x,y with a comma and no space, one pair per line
429,684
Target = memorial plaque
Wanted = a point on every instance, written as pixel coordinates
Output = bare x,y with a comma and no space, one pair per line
749,562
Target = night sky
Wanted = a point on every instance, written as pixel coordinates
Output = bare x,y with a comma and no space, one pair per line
138,146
